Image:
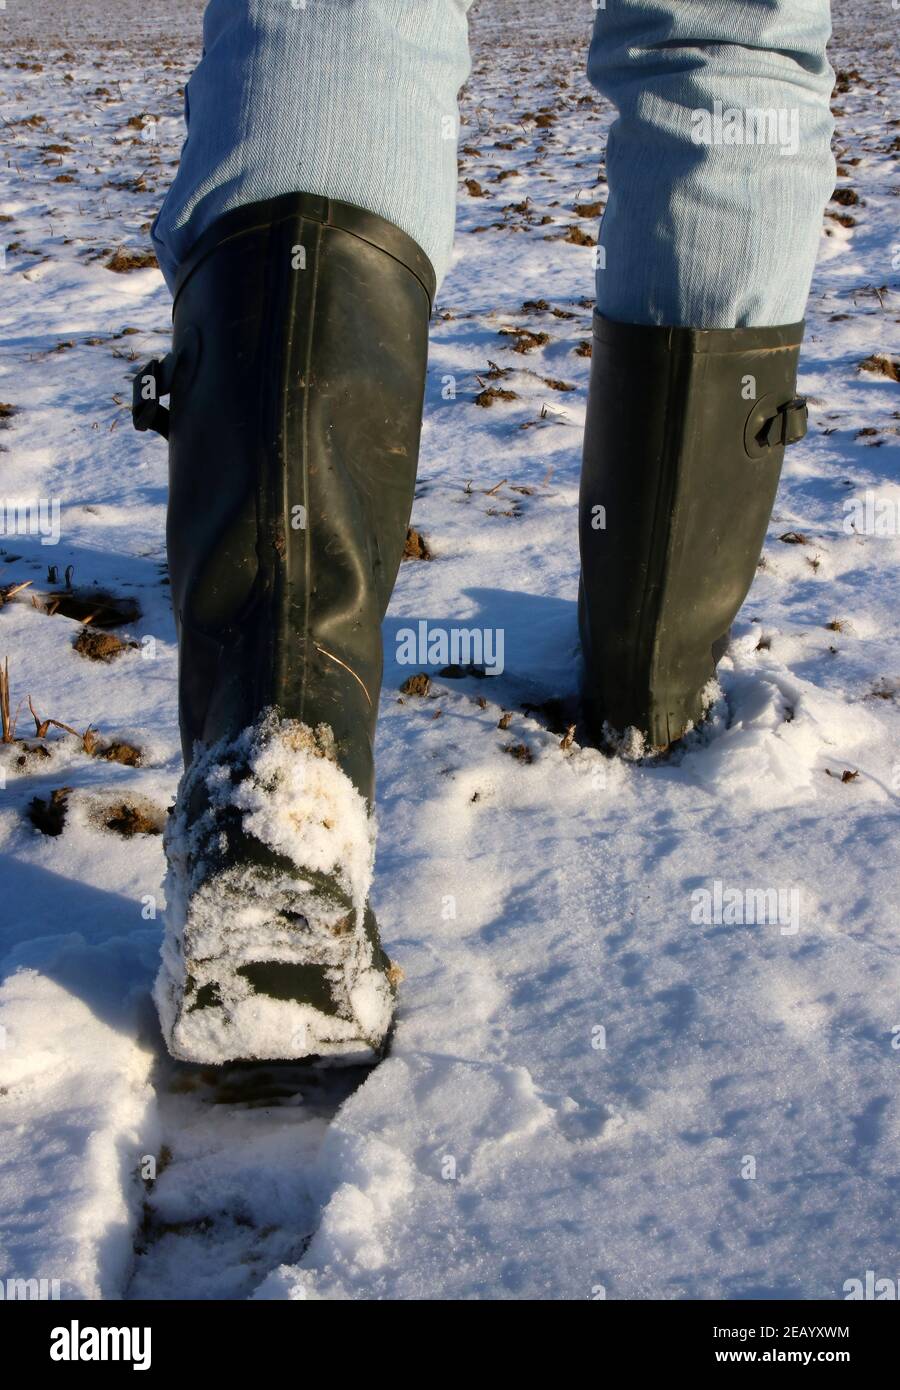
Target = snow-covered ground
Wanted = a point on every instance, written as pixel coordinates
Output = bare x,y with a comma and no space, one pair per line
593,1087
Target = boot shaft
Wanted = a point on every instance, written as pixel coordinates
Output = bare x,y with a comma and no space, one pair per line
297,379
683,449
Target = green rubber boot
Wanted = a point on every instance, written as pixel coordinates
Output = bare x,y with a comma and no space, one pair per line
684,442
296,381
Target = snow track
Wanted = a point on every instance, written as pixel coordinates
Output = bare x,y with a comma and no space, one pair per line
234,1195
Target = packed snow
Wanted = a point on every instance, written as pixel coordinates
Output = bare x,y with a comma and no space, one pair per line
303,905
648,1039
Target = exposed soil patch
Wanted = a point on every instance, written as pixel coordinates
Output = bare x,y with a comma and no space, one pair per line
794,538
32,755
128,818
458,673
123,260
490,394
116,751
416,546
419,684
49,815
100,646
844,79
882,365
526,340
554,714
93,607
9,591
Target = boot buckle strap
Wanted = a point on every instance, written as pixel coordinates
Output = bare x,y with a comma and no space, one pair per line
788,425
151,383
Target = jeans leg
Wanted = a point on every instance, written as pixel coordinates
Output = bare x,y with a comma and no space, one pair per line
348,99
719,164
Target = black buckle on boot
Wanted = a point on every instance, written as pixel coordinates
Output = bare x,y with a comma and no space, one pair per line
788,425
770,426
151,383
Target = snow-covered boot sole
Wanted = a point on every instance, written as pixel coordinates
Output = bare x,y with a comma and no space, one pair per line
270,950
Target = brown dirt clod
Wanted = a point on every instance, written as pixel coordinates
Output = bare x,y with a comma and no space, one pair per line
118,751
49,816
416,546
794,538
490,394
123,260
879,363
100,646
419,684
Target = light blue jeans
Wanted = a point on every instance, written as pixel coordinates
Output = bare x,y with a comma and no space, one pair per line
718,165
